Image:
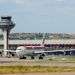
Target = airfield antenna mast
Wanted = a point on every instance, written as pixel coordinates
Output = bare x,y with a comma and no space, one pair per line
43,40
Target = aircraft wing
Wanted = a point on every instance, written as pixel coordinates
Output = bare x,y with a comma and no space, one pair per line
42,51
11,51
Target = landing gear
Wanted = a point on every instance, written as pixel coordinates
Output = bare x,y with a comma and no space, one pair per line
32,57
40,57
23,57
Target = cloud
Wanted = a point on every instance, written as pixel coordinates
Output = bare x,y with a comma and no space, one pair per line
60,0
19,1
26,2
15,1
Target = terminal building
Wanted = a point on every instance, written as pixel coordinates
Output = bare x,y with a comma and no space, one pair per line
10,40
66,41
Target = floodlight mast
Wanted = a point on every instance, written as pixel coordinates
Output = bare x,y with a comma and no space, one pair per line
6,25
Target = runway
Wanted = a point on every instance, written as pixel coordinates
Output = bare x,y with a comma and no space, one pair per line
23,62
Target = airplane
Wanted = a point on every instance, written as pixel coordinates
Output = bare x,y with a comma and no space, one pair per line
23,53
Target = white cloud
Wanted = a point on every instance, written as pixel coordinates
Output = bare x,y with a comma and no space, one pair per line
19,1
60,0
22,2
15,1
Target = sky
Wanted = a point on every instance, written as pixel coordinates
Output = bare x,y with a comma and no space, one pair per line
52,16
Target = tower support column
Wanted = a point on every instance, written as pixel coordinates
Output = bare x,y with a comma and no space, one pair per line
5,34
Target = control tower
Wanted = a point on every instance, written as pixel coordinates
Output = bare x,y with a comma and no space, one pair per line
6,25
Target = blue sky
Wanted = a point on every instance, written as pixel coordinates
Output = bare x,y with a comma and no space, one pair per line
40,15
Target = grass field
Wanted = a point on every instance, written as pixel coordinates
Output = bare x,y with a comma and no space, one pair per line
26,69
53,64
